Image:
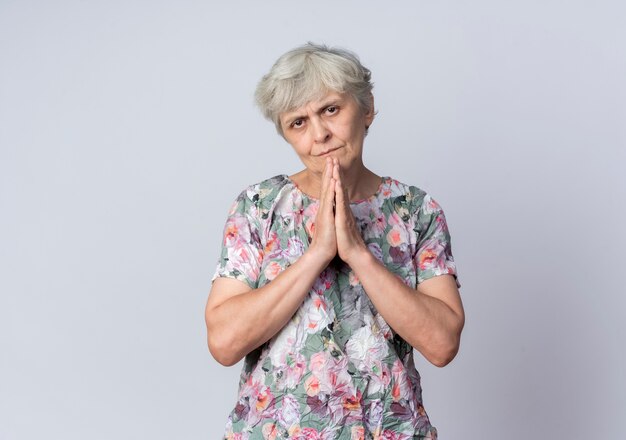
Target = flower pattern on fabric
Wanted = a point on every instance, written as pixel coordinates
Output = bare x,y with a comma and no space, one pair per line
336,370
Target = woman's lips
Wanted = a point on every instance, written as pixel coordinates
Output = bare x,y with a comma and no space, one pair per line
328,151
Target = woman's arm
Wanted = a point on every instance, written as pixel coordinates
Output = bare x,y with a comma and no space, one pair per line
240,319
430,318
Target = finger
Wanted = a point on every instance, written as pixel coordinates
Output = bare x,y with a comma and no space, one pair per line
335,169
344,188
326,176
341,189
329,196
340,195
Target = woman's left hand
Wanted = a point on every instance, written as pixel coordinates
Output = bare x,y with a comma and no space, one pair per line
349,240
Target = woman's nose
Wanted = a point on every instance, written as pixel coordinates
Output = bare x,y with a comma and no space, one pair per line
321,133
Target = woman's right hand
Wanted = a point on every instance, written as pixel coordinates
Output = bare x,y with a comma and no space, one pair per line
324,242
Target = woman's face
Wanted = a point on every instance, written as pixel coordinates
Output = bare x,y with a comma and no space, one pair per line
331,126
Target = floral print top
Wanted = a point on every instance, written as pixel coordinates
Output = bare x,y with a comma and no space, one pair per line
336,370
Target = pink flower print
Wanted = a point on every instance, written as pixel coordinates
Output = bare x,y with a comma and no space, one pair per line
380,378
442,225
229,435
270,431
310,227
309,434
361,210
338,380
241,408
374,416
388,434
263,398
395,392
318,362
332,376
352,403
312,385
298,216
236,230
357,433
402,410
428,258
353,279
294,431
401,389
375,249
296,365
318,405
429,205
289,412
238,257
272,244
382,327
352,408
295,249
395,220
310,212
367,346
386,192
385,375
316,314
397,236
376,227
272,270
323,282
335,410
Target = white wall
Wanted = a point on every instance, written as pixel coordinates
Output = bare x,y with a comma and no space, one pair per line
127,128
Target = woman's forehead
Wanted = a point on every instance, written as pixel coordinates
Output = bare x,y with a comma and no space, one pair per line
323,99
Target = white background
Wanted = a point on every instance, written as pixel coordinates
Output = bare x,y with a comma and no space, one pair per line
128,127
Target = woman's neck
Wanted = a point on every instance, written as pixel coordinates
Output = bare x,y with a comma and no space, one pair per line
359,180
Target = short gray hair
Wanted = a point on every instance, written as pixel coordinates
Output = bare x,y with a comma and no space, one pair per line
306,73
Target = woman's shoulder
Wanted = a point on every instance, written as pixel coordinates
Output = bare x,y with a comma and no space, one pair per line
411,201
261,195
412,197
266,189
397,187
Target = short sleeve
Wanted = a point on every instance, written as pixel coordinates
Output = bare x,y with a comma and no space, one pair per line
242,252
433,256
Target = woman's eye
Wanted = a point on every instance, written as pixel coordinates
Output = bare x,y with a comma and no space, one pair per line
331,109
297,123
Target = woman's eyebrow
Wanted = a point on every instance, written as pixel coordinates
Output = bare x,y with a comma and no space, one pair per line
329,103
293,116
290,118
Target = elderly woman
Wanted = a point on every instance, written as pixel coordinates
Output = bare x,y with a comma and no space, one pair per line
329,278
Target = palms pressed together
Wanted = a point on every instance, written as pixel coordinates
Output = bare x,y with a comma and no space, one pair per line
336,232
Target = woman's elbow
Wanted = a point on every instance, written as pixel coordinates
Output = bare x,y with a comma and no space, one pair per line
444,357
223,355
222,350
447,349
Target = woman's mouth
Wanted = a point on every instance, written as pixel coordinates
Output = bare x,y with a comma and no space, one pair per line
328,151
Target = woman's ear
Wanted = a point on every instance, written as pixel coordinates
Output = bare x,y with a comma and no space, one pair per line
370,113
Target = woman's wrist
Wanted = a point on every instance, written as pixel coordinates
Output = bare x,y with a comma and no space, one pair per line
361,256
319,256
